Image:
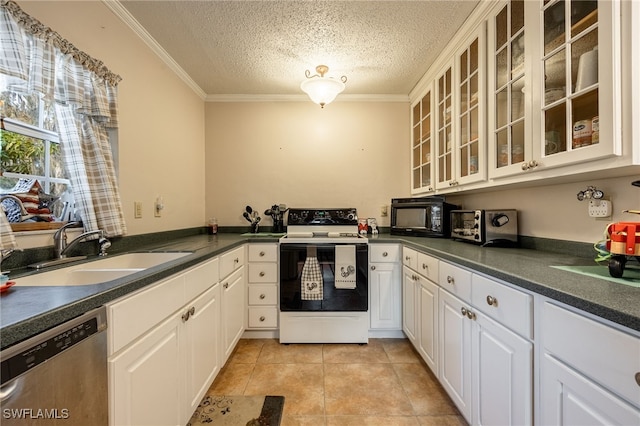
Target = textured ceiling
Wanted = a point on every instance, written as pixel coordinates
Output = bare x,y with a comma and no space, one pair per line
264,47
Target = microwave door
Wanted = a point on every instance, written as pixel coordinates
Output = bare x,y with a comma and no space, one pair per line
411,218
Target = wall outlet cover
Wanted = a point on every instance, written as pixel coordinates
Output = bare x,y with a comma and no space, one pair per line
600,208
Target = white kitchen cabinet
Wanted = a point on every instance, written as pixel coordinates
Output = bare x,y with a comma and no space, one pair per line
423,145
428,330
385,287
161,377
589,370
509,70
203,341
502,367
455,351
233,308
262,287
410,319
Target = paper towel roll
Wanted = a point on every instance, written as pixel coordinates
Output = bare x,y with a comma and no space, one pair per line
587,70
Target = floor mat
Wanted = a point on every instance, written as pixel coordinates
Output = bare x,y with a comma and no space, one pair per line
631,276
231,410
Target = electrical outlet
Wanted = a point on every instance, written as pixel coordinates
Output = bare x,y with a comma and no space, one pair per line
137,209
600,208
383,211
157,212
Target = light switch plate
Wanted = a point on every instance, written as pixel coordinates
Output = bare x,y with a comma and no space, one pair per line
137,209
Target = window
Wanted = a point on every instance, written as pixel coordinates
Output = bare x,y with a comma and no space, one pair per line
30,151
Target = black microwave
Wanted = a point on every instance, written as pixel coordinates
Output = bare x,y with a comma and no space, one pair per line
421,217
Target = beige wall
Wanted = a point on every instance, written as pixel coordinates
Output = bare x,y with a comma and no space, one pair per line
161,135
349,154
553,211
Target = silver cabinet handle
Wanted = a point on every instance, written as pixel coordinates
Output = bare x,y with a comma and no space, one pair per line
262,296
450,280
236,260
261,273
638,378
385,254
425,266
185,316
262,318
225,285
192,311
262,254
373,267
407,258
471,315
464,311
492,301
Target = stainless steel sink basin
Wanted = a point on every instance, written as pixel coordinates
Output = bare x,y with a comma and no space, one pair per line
99,271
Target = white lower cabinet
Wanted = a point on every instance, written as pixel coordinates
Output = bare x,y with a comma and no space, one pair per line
590,371
385,287
455,351
262,287
161,377
233,310
410,293
502,379
428,334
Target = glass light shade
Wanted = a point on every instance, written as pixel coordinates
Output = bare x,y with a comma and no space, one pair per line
322,90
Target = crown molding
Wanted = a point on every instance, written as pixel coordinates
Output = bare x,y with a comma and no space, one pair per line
116,7
305,98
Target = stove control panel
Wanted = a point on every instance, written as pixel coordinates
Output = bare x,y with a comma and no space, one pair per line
323,217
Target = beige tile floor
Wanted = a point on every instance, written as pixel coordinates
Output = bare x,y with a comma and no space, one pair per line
382,383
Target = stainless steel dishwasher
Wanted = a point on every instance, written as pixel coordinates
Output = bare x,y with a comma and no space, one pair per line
58,377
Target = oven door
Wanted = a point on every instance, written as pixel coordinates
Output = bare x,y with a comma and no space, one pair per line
293,296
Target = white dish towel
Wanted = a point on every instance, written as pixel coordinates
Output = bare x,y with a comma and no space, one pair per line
345,266
311,277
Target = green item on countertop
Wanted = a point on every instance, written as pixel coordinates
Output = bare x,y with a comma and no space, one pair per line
630,277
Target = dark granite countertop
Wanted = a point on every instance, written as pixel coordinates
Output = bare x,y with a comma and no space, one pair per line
26,311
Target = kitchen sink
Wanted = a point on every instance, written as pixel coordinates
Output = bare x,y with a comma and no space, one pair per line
99,271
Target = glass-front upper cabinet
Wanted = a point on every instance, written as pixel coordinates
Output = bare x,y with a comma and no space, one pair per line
422,169
460,120
471,139
578,70
509,89
444,128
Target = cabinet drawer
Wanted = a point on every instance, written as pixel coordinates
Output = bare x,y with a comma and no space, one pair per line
136,314
455,280
263,272
263,294
201,278
410,258
231,260
384,253
609,356
428,266
263,317
263,252
510,307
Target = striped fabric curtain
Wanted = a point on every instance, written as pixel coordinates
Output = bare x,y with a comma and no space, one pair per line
85,94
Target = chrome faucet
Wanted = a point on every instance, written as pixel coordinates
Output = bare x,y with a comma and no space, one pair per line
60,246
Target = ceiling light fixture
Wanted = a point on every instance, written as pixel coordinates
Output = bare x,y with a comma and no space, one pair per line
322,90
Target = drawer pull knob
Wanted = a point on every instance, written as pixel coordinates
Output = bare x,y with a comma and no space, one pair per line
464,311
192,311
492,301
262,318
225,285
450,280
261,273
262,254
185,316
638,378
385,254
262,296
425,266
236,260
407,258
471,315
373,267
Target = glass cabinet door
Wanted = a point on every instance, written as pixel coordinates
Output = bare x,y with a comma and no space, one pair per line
444,128
507,40
471,141
422,169
576,37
